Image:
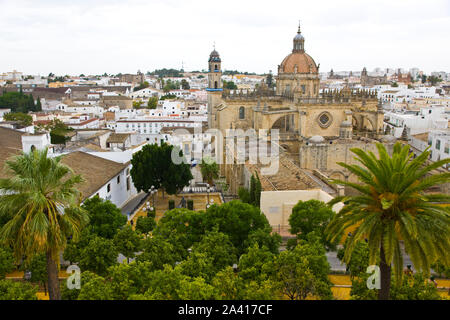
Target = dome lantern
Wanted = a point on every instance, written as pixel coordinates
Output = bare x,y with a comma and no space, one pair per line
299,41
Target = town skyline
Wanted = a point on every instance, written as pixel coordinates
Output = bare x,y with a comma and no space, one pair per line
86,38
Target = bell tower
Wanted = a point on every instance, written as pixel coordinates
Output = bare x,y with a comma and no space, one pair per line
214,86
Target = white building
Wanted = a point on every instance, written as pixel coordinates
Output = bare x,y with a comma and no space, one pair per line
417,122
83,122
437,140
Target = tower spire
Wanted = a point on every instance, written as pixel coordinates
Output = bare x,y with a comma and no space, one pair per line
299,41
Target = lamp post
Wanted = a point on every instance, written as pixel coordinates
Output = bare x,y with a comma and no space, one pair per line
208,190
153,191
210,203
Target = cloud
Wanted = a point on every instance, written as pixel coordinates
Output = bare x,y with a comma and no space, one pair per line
112,36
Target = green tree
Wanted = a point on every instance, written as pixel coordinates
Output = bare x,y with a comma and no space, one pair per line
217,246
227,285
237,220
185,85
244,195
434,80
15,290
74,247
424,78
195,289
41,202
23,119
441,269
105,218
152,103
359,260
303,272
38,104
127,242
230,85
58,131
17,102
94,287
264,238
98,255
145,224
6,261
38,268
269,80
255,190
198,264
409,287
164,284
393,205
137,104
143,85
158,251
182,228
310,216
253,264
209,170
129,279
153,166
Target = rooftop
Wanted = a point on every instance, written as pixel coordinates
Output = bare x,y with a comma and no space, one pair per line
96,171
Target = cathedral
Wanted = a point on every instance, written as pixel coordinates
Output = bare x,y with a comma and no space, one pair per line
316,127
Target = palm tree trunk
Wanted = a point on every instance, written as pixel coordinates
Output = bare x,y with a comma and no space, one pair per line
385,273
53,282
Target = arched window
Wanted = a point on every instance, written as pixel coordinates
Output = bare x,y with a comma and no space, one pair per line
215,84
241,113
215,68
33,148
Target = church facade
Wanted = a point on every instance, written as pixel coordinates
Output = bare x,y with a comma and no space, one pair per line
295,107
304,116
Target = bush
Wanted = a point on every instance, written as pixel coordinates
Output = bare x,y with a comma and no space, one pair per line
145,224
16,290
244,195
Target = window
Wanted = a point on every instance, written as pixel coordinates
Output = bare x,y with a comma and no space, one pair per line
241,113
128,183
215,84
118,179
303,89
438,144
108,188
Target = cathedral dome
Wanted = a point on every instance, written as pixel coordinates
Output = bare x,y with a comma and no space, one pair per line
299,62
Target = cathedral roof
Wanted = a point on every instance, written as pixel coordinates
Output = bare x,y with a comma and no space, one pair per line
304,63
214,56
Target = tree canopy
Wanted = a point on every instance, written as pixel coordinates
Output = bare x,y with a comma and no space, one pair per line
105,217
153,166
18,102
393,206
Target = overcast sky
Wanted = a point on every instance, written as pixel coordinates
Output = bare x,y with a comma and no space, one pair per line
97,36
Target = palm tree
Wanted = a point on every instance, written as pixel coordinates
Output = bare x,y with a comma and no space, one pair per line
42,206
393,206
209,169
